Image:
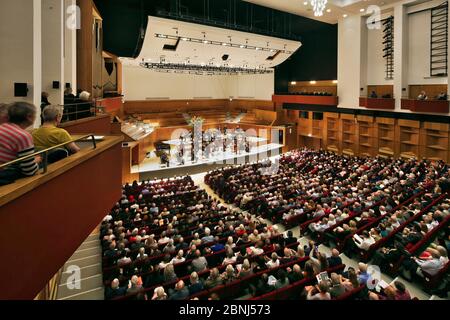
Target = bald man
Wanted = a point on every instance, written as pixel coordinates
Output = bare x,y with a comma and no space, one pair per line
115,290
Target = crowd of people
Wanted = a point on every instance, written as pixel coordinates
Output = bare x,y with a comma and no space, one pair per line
354,204
167,239
18,139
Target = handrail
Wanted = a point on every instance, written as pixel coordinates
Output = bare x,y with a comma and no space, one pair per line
46,151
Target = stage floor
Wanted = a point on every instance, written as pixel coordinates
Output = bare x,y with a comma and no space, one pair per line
152,165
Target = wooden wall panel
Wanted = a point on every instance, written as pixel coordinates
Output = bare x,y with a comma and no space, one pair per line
381,90
432,90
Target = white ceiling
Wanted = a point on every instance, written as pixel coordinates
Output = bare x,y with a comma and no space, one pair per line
208,54
338,7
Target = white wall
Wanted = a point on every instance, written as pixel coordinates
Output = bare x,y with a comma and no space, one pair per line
16,49
52,49
376,64
259,87
349,57
141,84
419,50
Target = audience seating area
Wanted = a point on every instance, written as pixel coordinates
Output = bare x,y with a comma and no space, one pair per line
168,239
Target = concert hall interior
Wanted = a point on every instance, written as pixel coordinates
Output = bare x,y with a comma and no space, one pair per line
224,150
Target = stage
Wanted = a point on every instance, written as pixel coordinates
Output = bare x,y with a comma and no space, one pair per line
151,167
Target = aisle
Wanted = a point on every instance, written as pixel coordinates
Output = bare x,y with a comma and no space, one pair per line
414,290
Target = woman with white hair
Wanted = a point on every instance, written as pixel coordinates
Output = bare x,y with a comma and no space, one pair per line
179,258
159,294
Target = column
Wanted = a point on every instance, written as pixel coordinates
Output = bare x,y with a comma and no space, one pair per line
349,58
70,43
37,59
53,27
400,55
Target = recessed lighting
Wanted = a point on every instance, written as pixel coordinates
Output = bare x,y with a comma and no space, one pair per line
312,82
257,48
335,81
293,83
224,44
361,10
184,39
305,3
328,10
345,15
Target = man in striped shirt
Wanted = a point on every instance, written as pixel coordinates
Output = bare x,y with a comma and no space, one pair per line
16,142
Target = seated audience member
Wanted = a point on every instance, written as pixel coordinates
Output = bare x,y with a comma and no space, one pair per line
49,135
387,294
229,275
262,287
199,263
290,238
214,279
3,113
180,292
428,262
401,292
283,280
159,294
367,241
319,292
17,142
208,237
363,275
135,287
195,284
373,95
422,96
295,274
169,273
273,262
115,290
245,270
441,96
335,259
337,288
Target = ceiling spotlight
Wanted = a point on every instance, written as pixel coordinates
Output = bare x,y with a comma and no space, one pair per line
257,48
224,44
205,41
361,10
328,10
345,15
312,82
184,39
242,46
305,3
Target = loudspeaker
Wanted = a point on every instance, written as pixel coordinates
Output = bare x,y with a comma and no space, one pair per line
20,89
55,84
225,57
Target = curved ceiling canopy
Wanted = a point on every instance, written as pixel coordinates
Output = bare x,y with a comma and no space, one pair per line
176,43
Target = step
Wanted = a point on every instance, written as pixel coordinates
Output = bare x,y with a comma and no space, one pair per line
86,261
93,236
86,272
94,294
86,284
90,244
81,253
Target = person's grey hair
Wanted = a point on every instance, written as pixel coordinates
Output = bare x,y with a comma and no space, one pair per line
51,112
85,96
18,112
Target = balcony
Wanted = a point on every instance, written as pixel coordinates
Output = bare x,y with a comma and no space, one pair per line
432,106
46,217
307,99
377,103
